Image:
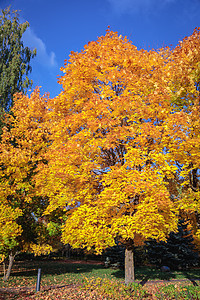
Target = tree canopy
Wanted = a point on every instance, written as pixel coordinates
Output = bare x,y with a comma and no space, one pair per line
116,152
23,141
118,139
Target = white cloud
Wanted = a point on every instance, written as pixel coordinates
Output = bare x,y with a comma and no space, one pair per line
45,58
31,40
134,6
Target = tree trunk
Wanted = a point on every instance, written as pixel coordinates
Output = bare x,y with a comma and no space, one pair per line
4,268
129,266
11,261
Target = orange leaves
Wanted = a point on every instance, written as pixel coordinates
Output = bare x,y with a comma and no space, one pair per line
185,74
23,145
20,146
113,128
107,146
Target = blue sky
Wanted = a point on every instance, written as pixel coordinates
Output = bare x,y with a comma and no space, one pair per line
59,27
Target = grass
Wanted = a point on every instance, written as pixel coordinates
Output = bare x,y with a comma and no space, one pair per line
56,272
155,274
87,281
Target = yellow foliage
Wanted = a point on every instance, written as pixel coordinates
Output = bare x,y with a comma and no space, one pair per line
40,249
23,143
110,146
115,143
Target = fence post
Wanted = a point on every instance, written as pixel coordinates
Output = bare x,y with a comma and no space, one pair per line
38,280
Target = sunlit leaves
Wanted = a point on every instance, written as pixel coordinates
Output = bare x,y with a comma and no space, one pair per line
23,143
114,149
113,128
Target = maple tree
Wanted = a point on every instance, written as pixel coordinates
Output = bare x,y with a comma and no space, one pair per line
108,159
107,150
24,139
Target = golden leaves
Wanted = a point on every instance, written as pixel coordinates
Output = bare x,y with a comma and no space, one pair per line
119,144
108,146
22,147
40,249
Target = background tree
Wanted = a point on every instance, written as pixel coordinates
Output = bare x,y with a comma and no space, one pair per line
24,140
14,58
177,252
108,159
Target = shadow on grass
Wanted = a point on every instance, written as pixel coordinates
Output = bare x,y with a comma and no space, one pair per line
144,274
27,269
193,277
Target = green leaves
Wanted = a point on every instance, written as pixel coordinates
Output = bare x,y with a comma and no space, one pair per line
14,58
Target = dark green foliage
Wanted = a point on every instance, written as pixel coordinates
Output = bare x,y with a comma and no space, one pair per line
140,256
177,253
14,58
116,254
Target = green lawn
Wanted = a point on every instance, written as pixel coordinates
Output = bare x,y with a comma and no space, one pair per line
61,274
57,271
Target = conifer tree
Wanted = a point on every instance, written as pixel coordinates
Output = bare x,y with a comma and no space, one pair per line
177,252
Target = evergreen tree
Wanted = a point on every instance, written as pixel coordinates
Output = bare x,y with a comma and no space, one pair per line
177,253
115,254
14,58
